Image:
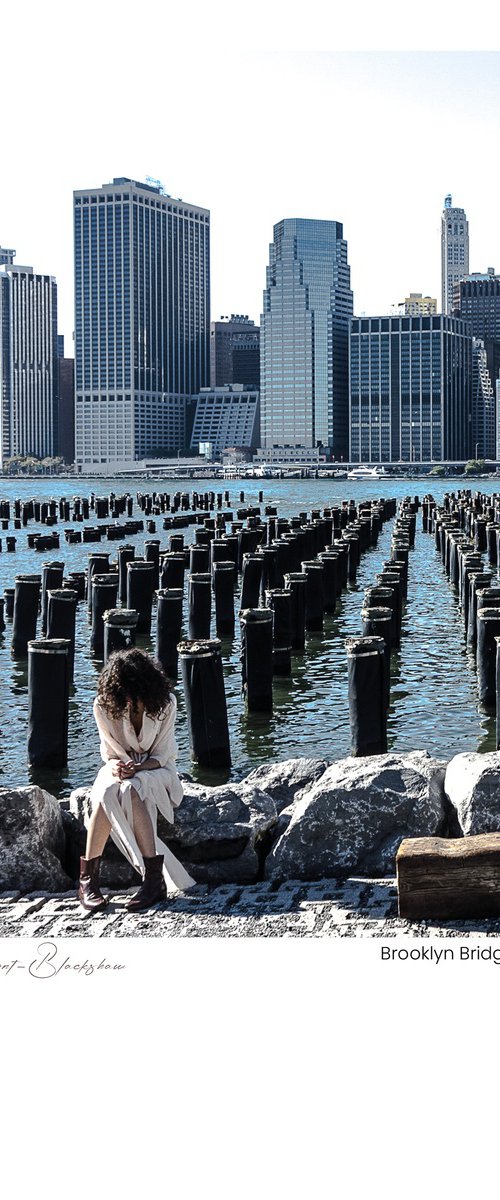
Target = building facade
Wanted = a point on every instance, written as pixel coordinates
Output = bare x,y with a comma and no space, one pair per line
28,362
227,417
410,389
477,299
234,352
66,409
142,320
416,305
305,338
454,252
483,404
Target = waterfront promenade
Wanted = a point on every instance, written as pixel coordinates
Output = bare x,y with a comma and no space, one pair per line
353,908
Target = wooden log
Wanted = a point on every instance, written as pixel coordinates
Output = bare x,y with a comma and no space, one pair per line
448,878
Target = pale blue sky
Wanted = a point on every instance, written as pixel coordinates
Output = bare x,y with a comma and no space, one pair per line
374,140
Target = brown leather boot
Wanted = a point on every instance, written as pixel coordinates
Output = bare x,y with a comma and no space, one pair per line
89,894
153,886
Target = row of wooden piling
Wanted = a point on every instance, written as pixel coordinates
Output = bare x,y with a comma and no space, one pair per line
465,527
280,604
369,656
80,508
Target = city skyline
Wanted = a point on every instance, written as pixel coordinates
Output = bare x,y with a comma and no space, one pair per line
353,137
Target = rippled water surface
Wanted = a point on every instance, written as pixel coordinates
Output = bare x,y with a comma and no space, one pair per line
434,701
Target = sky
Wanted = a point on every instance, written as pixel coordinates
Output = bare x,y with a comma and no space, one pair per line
374,136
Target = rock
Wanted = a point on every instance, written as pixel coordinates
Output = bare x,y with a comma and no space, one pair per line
220,834
32,842
472,784
285,781
356,814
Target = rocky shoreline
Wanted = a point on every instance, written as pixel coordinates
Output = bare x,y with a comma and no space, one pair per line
265,853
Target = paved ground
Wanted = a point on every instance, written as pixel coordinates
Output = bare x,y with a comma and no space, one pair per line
352,908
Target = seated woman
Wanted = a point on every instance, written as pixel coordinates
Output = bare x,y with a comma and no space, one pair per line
135,711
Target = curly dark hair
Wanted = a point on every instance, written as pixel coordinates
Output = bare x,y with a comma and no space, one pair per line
132,675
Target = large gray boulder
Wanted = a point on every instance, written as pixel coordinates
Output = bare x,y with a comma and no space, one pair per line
32,842
472,784
356,814
285,781
220,834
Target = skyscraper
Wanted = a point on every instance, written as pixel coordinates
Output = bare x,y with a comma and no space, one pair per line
305,337
142,314
411,389
28,361
454,251
483,404
234,351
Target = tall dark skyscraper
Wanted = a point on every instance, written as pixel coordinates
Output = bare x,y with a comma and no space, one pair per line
142,320
476,299
234,351
305,337
28,361
411,389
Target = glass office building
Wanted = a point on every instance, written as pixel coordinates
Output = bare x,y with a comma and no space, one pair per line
305,337
28,362
142,320
410,389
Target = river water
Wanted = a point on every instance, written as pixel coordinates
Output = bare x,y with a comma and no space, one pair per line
434,703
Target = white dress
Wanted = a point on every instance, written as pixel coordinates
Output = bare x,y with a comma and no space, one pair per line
159,789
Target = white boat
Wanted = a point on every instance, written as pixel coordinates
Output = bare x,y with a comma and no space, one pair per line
366,473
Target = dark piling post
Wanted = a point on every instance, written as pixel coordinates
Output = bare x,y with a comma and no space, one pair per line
257,658
199,559
279,600
169,628
120,625
52,577
61,620
251,581
268,578
26,602
296,584
205,700
488,629
152,554
393,580
315,602
223,585
329,558
76,583
98,564
377,622
9,595
140,587
477,579
104,595
200,605
125,555
367,695
48,702
2,619
173,566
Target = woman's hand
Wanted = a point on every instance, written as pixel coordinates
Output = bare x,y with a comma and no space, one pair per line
123,770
